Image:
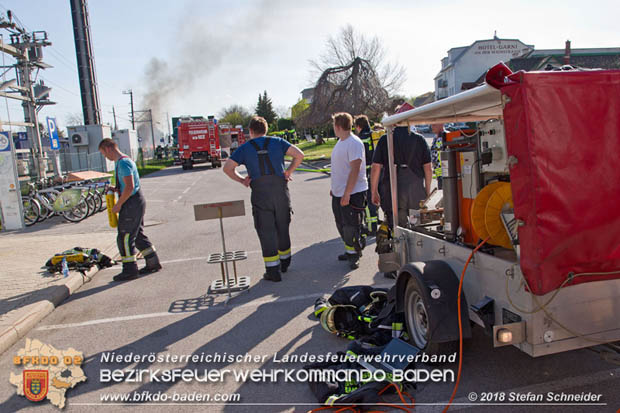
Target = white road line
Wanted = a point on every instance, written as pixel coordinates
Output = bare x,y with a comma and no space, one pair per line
249,252
217,307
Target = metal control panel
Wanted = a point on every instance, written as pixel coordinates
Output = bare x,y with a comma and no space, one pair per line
493,154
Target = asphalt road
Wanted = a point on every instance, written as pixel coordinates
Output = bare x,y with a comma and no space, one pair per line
171,313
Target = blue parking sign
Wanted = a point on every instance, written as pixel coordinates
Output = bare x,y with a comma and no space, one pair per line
53,132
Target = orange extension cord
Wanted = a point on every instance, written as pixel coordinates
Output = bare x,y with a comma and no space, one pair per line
458,375
408,406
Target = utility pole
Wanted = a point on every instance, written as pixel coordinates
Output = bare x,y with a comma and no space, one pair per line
27,48
150,119
152,132
133,119
114,114
169,131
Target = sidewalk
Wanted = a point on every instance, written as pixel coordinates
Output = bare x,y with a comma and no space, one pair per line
27,291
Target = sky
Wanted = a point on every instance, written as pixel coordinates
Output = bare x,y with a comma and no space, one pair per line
191,57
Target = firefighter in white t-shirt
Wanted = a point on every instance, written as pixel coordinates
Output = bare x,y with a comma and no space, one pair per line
348,187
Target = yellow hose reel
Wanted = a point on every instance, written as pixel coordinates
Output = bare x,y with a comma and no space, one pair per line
486,213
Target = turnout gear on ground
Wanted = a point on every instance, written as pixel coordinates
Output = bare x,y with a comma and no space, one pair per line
79,259
361,312
271,209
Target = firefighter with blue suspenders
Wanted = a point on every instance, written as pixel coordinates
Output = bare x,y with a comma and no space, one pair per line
263,157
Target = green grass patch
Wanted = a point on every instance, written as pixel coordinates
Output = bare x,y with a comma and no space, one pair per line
149,167
314,152
153,166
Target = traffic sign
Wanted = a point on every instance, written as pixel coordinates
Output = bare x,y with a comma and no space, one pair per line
53,132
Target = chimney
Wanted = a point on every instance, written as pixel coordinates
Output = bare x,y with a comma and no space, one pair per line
567,53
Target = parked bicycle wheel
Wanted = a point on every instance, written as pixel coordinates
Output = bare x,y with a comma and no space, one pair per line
77,213
90,201
98,201
31,210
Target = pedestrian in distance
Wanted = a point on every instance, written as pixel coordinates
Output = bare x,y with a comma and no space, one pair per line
348,187
131,206
263,157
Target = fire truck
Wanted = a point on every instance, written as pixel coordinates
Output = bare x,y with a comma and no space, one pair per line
231,138
203,140
526,225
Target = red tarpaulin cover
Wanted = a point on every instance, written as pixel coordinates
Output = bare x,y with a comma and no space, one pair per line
564,130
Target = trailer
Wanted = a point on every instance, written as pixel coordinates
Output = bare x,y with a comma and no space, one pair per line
528,217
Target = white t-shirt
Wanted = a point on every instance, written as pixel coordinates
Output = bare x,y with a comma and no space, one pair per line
344,152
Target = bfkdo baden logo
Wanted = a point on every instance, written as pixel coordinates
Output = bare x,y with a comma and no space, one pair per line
47,372
36,383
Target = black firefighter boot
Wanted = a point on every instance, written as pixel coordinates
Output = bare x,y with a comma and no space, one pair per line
273,274
130,271
284,264
152,264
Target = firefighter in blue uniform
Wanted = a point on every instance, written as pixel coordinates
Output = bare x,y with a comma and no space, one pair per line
263,157
362,128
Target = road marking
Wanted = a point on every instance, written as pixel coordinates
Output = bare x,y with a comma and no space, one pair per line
217,307
186,190
249,252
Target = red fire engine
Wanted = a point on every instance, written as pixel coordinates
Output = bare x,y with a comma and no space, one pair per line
199,142
203,140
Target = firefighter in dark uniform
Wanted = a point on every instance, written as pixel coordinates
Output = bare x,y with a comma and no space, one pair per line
362,128
263,157
436,147
130,206
413,164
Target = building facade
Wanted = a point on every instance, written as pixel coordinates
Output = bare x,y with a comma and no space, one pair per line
463,65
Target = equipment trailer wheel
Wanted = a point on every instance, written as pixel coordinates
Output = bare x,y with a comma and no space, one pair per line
418,316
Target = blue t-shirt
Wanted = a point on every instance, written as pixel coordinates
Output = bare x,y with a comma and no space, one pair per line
126,167
246,155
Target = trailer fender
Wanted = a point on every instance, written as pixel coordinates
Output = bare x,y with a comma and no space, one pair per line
440,292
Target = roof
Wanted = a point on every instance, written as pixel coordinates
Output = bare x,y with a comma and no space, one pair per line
480,103
466,48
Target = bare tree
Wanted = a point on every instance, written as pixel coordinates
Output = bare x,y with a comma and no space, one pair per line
74,119
349,45
354,78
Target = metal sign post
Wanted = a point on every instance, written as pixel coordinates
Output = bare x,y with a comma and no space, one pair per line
52,130
221,210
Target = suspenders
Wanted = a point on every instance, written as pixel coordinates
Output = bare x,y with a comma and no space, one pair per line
263,157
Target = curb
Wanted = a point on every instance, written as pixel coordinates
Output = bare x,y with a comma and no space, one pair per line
26,318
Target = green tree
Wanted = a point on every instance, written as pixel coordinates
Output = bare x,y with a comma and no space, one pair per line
298,108
284,123
264,108
235,115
